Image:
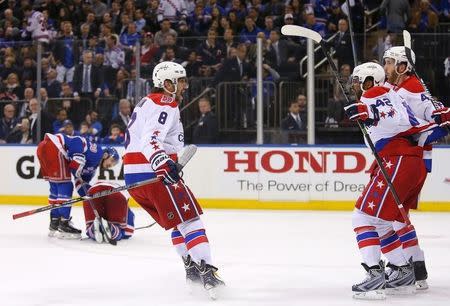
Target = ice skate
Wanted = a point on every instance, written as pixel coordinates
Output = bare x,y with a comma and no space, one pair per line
98,235
192,273
373,287
421,274
210,279
66,230
53,227
400,280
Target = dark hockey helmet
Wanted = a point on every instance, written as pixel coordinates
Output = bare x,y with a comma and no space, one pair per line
111,152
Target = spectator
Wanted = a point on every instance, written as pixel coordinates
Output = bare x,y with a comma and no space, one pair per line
44,98
229,41
336,14
115,136
335,111
149,49
8,18
293,125
114,59
130,38
8,66
95,125
151,16
61,116
273,8
186,35
289,19
238,8
13,90
24,109
211,51
8,122
235,69
268,26
123,117
119,88
172,10
343,44
282,54
192,65
137,90
66,54
99,8
68,128
84,132
169,56
28,72
115,14
397,13
87,85
52,85
206,130
90,21
160,36
140,20
20,133
423,18
37,114
248,34
122,28
311,23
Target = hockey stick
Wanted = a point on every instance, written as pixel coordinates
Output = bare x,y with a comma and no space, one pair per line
188,153
352,36
295,30
147,226
407,42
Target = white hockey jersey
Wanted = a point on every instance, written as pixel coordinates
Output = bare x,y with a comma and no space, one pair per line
154,130
396,117
172,10
37,26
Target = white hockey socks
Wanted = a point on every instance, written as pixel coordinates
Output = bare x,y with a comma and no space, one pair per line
178,243
410,243
392,249
195,240
369,245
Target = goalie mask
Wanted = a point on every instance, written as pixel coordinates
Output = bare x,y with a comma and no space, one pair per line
168,71
398,54
366,70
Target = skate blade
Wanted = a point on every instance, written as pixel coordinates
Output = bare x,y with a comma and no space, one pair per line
421,285
370,295
62,235
403,290
212,293
52,233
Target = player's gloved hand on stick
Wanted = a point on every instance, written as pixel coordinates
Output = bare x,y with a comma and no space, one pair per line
442,116
360,111
168,172
77,164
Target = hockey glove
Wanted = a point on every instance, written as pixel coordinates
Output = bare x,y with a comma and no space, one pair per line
442,116
82,187
168,172
77,164
360,111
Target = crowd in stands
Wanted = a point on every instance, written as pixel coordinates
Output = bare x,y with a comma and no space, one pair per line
89,80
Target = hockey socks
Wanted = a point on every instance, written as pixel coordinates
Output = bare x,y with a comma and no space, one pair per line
196,241
369,245
410,243
178,243
391,248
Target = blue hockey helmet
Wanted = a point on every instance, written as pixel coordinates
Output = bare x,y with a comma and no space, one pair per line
112,152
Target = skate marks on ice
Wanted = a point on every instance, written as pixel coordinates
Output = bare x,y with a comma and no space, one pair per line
264,257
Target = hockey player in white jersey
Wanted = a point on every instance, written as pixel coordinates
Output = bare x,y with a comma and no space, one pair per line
36,25
400,77
154,136
390,124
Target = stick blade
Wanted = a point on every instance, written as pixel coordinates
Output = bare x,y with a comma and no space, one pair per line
407,39
188,153
295,30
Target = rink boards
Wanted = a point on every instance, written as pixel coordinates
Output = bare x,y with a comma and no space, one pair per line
250,177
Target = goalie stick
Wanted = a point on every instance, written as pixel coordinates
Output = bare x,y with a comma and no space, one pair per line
295,30
188,153
407,42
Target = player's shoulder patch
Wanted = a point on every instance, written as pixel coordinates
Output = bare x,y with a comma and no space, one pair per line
375,91
412,84
163,100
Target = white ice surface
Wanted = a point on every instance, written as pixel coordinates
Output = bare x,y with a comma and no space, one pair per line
265,257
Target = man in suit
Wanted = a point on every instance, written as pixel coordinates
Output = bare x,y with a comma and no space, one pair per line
206,130
235,69
343,45
52,85
87,83
283,54
37,114
294,124
123,117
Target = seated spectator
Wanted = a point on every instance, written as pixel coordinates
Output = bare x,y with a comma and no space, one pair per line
44,98
84,132
149,49
119,87
186,35
200,22
123,117
68,128
139,20
169,56
211,51
160,36
238,8
192,64
248,34
12,90
129,38
20,133
336,14
99,8
311,23
424,19
172,11
24,108
151,15
61,116
268,26
96,126
207,128
8,122
28,70
116,136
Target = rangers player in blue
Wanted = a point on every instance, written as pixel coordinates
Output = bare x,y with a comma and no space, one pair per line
60,156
